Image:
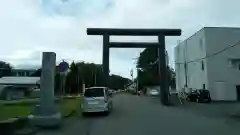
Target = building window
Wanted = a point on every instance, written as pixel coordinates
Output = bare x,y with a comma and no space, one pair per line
201,43
202,65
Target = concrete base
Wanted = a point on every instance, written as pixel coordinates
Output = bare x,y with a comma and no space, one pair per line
46,121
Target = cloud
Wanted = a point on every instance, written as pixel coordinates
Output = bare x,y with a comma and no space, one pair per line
29,27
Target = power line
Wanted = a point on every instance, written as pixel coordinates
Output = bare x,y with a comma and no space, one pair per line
208,56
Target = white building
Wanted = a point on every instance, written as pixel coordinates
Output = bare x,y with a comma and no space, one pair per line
22,72
12,88
212,59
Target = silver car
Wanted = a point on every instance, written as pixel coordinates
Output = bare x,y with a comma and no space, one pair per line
154,92
97,99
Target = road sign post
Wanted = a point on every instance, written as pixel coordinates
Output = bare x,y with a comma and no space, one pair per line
63,69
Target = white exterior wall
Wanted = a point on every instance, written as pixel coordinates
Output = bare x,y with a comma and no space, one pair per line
190,50
223,76
179,68
219,75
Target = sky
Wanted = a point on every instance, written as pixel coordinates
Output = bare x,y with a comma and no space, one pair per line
30,27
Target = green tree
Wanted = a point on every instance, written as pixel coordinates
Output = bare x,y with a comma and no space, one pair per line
37,73
117,82
148,72
92,76
5,69
88,73
73,84
172,76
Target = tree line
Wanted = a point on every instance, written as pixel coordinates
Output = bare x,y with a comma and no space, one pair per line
89,74
5,69
79,73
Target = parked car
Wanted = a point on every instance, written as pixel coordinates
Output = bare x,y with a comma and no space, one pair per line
111,91
97,99
200,96
154,92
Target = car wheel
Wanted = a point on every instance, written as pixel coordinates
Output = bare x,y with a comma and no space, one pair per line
111,107
106,113
209,100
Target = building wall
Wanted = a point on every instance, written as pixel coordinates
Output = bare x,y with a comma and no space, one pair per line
191,51
210,48
22,72
223,74
179,68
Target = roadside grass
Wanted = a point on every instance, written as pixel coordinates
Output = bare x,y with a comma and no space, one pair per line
69,106
23,108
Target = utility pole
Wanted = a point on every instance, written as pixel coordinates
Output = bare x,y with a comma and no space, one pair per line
95,79
136,83
185,65
137,79
131,73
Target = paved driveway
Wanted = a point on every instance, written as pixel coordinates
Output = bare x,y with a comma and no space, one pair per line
134,115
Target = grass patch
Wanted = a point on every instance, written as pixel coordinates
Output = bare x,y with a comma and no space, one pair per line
23,108
12,111
68,105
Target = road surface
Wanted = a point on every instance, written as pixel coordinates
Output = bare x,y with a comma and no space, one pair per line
134,115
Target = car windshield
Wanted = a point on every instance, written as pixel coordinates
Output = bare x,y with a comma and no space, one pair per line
94,92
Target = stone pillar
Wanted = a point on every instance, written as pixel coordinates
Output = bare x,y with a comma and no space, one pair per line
47,79
46,113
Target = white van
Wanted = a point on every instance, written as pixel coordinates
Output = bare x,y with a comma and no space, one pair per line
97,99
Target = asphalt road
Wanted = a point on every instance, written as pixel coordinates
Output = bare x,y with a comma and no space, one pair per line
134,115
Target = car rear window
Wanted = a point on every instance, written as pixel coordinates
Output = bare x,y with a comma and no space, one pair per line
94,92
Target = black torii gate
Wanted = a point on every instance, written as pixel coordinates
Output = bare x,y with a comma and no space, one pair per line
161,33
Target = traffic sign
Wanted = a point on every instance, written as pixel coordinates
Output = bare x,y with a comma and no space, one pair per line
63,66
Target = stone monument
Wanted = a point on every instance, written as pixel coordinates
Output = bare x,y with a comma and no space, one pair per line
46,113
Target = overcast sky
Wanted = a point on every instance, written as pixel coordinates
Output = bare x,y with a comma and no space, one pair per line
29,27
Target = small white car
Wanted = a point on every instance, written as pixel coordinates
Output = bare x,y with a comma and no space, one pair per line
154,92
97,99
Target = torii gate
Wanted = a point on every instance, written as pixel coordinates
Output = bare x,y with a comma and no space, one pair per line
161,33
